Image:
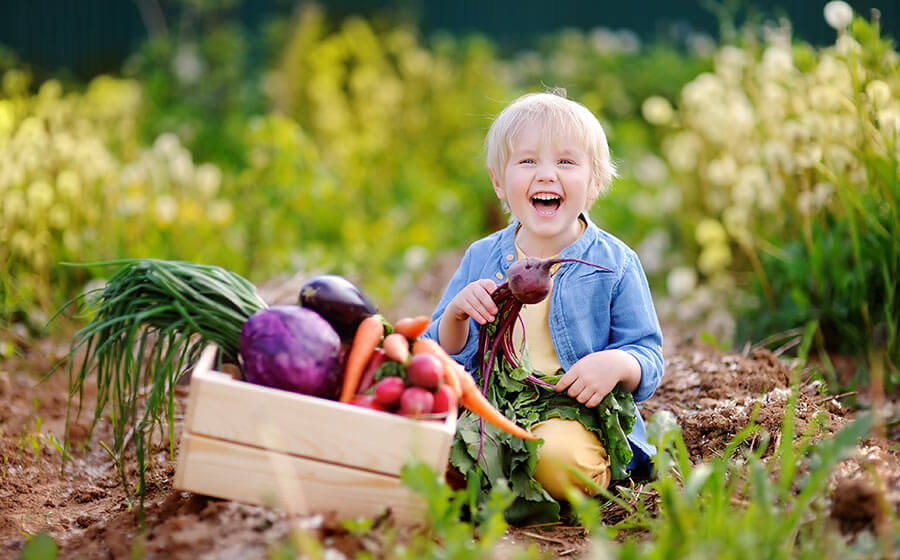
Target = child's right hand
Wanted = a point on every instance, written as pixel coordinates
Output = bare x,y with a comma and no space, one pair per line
474,301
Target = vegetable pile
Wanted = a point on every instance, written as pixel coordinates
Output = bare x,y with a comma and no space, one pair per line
510,384
153,318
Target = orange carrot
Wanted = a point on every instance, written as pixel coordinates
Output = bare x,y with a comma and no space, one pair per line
473,400
429,346
396,347
368,335
412,327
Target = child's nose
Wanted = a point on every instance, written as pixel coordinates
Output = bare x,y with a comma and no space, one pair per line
545,174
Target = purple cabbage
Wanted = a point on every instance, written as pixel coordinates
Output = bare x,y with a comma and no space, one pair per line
292,348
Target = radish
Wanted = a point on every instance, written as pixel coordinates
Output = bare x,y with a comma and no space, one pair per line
425,371
389,390
444,400
416,401
367,401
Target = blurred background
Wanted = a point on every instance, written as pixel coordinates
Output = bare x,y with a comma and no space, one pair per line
757,144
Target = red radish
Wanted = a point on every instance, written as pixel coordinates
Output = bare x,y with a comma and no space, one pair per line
425,371
367,401
444,400
389,390
416,401
368,376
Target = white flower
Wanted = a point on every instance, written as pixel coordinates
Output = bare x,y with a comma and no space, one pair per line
187,64
681,281
208,178
166,209
722,171
838,14
650,169
879,92
657,110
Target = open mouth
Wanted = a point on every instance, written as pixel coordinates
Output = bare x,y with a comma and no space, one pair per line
546,203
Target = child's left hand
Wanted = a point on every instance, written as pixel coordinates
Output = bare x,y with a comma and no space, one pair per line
595,375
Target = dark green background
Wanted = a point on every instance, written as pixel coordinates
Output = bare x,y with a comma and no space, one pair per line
87,37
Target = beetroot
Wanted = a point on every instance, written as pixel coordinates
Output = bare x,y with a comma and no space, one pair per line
416,401
389,390
425,371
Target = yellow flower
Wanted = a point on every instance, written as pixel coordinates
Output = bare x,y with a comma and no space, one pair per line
710,232
714,258
40,194
68,184
58,216
657,110
7,118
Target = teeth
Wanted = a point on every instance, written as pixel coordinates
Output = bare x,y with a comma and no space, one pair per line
545,197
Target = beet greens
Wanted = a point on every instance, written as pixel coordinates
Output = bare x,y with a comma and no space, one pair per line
528,397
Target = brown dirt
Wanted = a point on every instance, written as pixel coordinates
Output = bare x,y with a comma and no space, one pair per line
87,512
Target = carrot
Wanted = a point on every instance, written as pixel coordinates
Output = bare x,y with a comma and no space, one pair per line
473,400
368,335
412,327
429,346
396,347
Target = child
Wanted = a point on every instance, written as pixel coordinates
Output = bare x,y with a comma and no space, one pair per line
548,161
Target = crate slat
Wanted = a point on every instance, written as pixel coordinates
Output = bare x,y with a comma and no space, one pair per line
295,484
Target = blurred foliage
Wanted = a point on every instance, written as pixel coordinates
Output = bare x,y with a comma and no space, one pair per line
786,161
760,174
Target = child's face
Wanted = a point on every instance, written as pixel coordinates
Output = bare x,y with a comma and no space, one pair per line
547,183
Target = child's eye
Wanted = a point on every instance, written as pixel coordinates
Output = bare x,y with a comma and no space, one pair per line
527,160
567,162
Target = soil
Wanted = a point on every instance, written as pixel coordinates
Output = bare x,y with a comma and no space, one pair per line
88,514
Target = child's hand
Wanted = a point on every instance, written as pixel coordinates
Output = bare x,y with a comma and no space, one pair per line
595,375
474,301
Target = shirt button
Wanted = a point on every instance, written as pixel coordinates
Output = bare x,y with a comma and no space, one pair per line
509,257
499,276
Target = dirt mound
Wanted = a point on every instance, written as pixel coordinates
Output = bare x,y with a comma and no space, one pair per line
87,512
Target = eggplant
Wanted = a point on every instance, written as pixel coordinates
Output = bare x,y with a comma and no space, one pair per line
339,301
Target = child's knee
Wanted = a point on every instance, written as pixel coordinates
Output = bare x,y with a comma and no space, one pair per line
570,446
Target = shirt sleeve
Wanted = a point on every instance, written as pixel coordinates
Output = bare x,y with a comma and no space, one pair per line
461,278
634,326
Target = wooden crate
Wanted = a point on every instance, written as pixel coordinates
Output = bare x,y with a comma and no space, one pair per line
304,454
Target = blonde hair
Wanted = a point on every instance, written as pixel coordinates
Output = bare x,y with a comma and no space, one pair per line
557,116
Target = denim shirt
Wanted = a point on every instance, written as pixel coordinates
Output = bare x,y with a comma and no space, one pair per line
590,309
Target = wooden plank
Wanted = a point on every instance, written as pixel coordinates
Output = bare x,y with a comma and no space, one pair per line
296,484
241,412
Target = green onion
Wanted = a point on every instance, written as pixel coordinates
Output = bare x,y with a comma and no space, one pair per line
149,325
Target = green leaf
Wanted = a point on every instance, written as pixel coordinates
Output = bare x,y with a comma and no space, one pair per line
40,547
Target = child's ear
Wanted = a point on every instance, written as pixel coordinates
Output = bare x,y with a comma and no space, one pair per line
497,188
